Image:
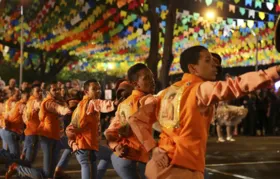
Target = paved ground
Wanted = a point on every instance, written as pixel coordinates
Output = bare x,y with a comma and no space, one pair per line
247,158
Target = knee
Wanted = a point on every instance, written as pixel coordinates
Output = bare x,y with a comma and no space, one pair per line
103,165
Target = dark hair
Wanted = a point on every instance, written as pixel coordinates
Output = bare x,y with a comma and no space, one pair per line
190,56
219,75
24,93
132,71
87,83
36,82
118,82
50,85
74,95
215,55
35,86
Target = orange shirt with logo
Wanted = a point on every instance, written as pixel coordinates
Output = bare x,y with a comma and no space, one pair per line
127,108
184,134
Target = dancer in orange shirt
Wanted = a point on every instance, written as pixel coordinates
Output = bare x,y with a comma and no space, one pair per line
14,125
182,146
31,120
8,105
49,128
104,155
75,97
83,133
129,154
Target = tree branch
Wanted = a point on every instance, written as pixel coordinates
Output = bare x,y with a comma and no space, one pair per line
17,46
168,39
31,63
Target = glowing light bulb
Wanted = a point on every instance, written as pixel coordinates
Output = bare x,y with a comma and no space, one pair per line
210,14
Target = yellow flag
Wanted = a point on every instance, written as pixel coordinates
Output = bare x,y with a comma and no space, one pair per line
262,15
220,5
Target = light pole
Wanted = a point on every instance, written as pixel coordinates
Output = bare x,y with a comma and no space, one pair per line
21,47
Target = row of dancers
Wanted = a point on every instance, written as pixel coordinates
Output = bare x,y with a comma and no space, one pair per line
182,113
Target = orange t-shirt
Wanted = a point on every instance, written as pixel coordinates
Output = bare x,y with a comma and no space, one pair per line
128,107
49,122
8,105
86,119
31,116
15,118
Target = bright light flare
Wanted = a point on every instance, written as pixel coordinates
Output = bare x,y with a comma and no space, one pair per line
110,66
210,14
277,85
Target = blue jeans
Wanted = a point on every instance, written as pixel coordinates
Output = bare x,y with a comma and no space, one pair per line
128,169
50,155
23,169
206,174
30,147
7,159
104,156
12,140
87,160
4,144
65,157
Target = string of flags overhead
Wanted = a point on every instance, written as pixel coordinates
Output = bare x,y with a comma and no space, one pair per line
114,32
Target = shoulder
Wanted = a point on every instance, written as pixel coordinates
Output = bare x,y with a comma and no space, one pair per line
48,101
129,99
148,99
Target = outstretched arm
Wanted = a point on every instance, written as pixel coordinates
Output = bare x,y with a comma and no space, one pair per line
53,107
213,92
104,106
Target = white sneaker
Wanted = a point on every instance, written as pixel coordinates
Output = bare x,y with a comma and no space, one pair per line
220,139
230,139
